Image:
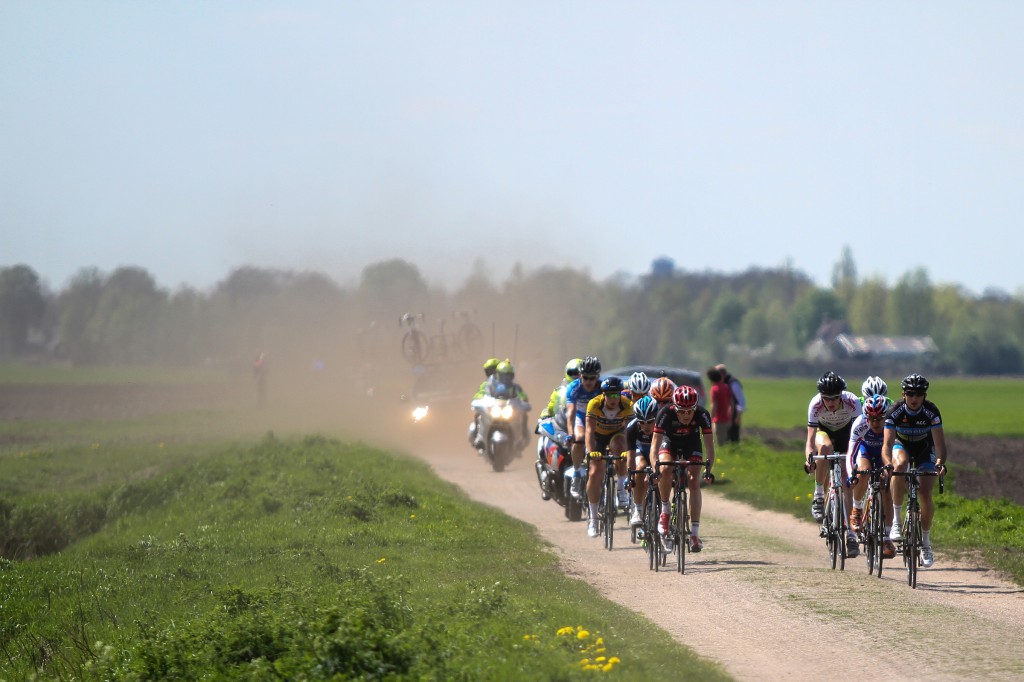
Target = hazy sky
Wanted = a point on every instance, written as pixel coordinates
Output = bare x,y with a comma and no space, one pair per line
193,137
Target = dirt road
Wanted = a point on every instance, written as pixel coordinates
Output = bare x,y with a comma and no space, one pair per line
761,600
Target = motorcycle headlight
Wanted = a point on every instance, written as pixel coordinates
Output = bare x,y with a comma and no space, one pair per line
506,412
496,412
420,413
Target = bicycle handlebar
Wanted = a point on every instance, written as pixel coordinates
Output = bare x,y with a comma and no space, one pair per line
915,473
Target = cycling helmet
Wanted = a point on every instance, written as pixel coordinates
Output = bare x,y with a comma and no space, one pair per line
874,386
490,366
590,365
915,382
612,384
875,406
685,397
831,383
639,383
572,368
645,409
505,368
662,389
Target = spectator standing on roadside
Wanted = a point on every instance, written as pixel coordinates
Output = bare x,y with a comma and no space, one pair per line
259,372
739,402
721,405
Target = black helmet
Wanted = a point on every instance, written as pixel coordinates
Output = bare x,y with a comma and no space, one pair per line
612,384
590,365
831,383
915,382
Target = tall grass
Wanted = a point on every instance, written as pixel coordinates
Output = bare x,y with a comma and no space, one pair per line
301,559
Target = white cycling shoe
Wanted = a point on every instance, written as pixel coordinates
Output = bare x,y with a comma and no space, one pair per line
896,535
927,557
592,529
635,519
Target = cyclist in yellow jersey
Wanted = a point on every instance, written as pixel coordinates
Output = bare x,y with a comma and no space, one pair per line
607,416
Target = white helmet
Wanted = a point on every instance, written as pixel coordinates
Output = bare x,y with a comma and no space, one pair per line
873,386
639,383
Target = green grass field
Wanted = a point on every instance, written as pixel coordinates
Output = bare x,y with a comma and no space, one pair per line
969,407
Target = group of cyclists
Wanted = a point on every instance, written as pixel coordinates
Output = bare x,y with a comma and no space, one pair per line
638,420
644,421
876,432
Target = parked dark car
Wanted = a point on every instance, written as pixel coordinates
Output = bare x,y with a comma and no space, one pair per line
678,375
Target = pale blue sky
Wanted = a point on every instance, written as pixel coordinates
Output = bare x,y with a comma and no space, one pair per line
193,137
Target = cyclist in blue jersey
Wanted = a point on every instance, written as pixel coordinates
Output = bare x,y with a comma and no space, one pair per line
914,437
865,454
639,434
578,395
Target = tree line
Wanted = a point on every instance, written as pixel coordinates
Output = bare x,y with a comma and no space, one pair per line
761,318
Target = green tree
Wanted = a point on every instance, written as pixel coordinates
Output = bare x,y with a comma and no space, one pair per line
22,307
868,306
844,277
811,310
910,310
76,306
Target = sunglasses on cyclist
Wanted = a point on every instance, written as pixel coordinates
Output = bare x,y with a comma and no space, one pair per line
589,377
913,394
875,420
831,397
612,395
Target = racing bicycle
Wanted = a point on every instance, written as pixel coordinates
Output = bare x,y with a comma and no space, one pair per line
834,524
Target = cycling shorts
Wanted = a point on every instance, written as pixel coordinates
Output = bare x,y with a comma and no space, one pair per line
874,457
922,461
603,440
692,457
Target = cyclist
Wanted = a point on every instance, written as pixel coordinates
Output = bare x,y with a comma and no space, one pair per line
578,394
679,430
662,389
830,417
866,438
914,436
637,387
607,415
639,433
875,386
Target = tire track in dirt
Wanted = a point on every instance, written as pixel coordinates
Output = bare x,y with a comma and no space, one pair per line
761,599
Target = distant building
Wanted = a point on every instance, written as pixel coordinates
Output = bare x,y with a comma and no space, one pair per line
834,343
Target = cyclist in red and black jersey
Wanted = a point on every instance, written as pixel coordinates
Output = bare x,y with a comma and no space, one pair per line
679,431
914,436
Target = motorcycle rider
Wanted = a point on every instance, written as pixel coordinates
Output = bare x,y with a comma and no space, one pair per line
474,429
551,425
504,376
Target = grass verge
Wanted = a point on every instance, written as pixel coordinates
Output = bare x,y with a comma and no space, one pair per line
297,559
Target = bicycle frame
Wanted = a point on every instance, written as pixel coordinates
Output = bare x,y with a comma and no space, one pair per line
873,536
680,524
913,539
833,526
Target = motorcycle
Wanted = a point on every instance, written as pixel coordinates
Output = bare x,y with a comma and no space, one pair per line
554,469
496,432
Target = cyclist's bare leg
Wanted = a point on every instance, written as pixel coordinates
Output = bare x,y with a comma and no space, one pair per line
665,482
640,483
898,484
595,481
860,489
579,450
618,447
695,497
927,501
823,445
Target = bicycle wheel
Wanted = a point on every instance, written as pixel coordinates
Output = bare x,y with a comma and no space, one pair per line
609,505
682,530
831,533
415,347
650,526
911,550
841,528
878,531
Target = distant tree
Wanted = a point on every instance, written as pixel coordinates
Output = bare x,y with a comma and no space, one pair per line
910,306
22,307
755,330
722,325
125,323
844,276
76,306
811,310
867,307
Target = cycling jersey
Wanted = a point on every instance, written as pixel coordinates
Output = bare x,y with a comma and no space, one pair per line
914,429
637,441
609,421
683,439
864,442
580,397
836,424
